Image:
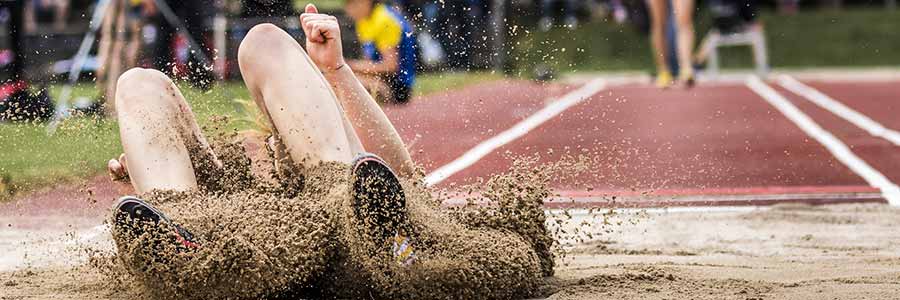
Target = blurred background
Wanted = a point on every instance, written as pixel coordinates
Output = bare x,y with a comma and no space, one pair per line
460,35
59,57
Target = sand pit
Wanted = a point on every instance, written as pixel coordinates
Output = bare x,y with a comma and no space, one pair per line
300,234
782,252
254,247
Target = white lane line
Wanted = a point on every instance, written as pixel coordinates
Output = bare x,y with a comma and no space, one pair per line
839,109
669,201
889,190
657,210
520,129
685,199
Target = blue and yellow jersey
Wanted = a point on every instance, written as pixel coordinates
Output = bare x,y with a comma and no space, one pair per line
385,28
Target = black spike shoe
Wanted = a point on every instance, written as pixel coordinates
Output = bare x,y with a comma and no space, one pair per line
380,204
131,212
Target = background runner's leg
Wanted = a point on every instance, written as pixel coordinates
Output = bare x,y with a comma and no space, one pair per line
658,15
159,133
114,69
298,101
104,49
684,15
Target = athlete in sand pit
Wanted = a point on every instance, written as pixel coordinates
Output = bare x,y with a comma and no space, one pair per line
310,122
313,124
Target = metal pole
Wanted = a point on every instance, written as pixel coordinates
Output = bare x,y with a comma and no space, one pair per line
220,27
498,30
62,106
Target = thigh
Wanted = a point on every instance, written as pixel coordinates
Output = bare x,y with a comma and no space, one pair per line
658,12
296,98
684,11
162,141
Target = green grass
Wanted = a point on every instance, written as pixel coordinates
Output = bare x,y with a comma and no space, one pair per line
323,5
437,82
846,38
31,159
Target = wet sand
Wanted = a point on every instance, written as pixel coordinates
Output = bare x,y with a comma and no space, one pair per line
783,252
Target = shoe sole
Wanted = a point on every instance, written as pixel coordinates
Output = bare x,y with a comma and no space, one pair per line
379,200
133,208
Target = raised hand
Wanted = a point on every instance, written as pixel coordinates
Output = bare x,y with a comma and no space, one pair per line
117,170
323,39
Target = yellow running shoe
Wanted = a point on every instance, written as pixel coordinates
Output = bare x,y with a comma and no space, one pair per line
664,80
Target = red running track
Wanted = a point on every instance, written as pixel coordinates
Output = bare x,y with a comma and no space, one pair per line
718,144
875,100
439,128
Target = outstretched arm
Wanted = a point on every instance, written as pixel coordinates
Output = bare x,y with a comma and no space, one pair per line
377,134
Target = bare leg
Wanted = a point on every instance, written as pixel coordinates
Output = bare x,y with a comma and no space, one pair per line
658,17
115,56
104,50
684,15
159,133
62,13
706,45
29,22
291,92
135,29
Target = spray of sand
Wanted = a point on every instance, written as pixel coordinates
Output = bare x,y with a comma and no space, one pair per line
288,232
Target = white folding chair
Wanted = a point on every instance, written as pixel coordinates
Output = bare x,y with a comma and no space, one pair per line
755,38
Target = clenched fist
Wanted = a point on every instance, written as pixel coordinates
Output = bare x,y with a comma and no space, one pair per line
323,39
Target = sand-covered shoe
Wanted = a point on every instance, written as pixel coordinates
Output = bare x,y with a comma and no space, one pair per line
380,205
133,214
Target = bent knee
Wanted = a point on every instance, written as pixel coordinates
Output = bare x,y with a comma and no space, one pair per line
139,87
264,31
264,41
139,78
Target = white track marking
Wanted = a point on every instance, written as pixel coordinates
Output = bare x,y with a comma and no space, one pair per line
889,190
520,129
659,210
839,109
722,198
888,74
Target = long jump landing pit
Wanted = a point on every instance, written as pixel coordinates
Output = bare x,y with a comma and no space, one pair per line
779,252
704,205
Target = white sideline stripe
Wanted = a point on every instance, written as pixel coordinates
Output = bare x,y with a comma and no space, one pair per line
659,210
520,129
723,198
889,190
839,109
